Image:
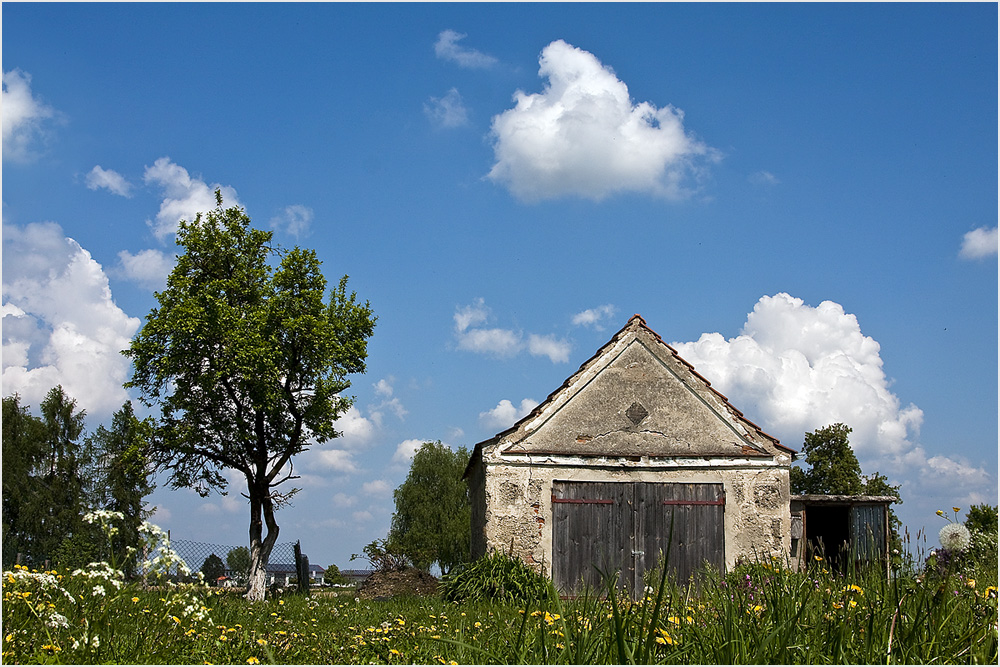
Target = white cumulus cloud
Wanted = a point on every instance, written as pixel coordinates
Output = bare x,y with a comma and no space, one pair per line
60,322
148,268
795,368
505,414
356,430
447,48
24,116
110,180
183,196
799,368
583,136
447,111
979,243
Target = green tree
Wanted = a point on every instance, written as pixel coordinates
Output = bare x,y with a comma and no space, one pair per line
247,363
433,511
833,467
238,560
982,519
23,454
332,576
124,478
62,486
212,569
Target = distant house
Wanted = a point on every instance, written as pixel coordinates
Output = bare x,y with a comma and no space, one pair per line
356,576
280,573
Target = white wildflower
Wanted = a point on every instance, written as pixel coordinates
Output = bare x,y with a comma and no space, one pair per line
954,537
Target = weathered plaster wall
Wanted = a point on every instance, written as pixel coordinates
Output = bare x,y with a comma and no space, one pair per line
516,509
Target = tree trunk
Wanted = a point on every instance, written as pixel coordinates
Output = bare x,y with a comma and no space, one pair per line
260,545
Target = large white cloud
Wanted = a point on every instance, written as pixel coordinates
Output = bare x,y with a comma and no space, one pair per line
795,368
23,116
583,136
979,243
184,196
60,323
798,368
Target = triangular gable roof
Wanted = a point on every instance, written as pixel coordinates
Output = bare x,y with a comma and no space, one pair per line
635,397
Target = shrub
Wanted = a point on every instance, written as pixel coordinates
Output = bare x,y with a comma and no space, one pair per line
497,577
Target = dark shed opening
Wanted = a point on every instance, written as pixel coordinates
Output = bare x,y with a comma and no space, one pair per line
845,530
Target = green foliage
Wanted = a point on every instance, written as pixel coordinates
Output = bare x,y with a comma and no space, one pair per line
238,560
500,578
212,569
982,518
247,358
333,577
125,477
23,453
383,556
432,522
833,467
51,478
48,481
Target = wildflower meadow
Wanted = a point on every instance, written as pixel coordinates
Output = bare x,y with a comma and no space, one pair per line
939,609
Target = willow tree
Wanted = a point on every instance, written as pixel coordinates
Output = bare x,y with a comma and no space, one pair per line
247,358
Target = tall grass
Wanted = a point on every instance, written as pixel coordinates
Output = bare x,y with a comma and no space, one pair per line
760,612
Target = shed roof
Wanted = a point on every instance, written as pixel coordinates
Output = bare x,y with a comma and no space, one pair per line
635,397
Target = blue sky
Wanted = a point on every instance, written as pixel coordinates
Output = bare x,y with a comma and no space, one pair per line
801,198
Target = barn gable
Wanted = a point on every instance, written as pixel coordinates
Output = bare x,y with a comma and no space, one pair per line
634,452
637,397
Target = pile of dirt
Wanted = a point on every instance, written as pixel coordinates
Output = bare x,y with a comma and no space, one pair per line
411,581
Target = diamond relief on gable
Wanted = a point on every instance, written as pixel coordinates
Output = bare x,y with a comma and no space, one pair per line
636,413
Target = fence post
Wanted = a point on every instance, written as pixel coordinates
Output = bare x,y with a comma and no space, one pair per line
301,569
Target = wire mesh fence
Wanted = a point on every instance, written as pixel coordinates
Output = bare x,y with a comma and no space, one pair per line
228,565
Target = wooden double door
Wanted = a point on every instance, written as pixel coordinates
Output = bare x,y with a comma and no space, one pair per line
606,529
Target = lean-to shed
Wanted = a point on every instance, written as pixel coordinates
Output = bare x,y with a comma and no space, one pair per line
633,448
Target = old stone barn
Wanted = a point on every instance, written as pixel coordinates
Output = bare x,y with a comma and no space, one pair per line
633,451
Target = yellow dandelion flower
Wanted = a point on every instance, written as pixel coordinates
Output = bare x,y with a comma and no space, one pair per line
852,604
253,661
135,599
818,558
940,513
957,509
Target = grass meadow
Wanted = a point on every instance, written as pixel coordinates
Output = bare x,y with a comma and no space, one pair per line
944,612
